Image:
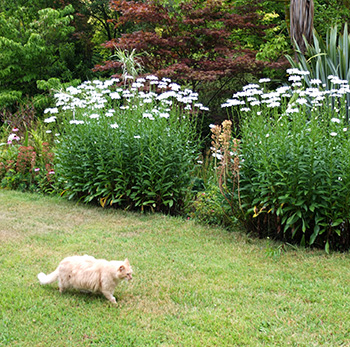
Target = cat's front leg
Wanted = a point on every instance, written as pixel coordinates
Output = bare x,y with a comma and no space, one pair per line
61,286
113,300
110,297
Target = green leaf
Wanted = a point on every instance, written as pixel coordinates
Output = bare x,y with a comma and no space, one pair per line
149,202
292,219
169,202
314,234
312,207
326,248
337,222
304,225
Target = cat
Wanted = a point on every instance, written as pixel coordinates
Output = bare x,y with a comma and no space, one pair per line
87,273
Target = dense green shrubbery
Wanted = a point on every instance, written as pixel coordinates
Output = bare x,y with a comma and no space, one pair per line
125,146
293,173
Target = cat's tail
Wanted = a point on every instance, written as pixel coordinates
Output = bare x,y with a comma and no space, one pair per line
47,279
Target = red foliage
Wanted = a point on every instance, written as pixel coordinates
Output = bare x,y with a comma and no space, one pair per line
47,158
198,43
26,159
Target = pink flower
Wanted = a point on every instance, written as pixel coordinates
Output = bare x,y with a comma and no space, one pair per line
12,137
51,172
15,130
37,169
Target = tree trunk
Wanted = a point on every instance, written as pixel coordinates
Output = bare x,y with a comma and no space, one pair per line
301,22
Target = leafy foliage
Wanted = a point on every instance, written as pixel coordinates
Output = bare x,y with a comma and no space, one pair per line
26,167
101,16
35,49
326,58
197,43
127,147
211,208
210,46
292,180
334,13
93,26
39,44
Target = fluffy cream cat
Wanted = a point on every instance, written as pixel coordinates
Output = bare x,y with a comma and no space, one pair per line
87,273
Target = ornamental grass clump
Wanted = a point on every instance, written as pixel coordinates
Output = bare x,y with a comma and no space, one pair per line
294,177
129,147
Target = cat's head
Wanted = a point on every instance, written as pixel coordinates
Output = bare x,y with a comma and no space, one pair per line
125,270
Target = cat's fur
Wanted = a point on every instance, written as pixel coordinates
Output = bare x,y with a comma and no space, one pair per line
87,273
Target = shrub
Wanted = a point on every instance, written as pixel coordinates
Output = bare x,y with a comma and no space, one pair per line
211,208
293,173
24,167
26,156
209,45
127,147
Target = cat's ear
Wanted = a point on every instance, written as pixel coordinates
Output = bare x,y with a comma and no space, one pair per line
121,268
126,262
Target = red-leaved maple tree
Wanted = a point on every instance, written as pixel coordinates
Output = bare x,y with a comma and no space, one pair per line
196,41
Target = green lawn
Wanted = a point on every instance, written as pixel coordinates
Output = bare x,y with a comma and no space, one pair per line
193,285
